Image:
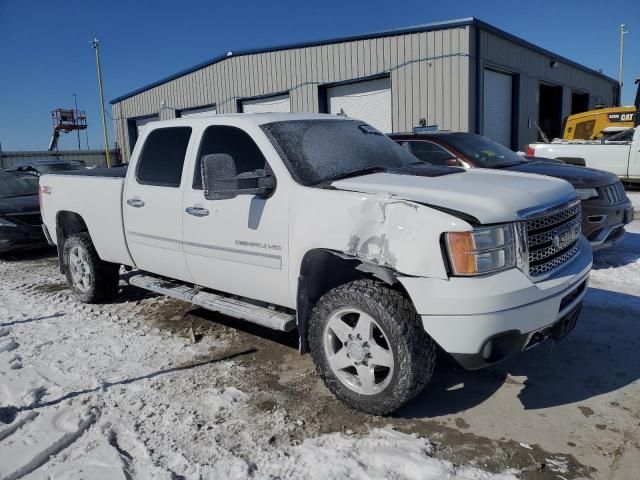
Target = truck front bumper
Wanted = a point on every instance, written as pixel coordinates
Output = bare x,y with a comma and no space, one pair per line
484,320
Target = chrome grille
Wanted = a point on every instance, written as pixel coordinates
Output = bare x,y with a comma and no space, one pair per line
553,218
553,238
613,194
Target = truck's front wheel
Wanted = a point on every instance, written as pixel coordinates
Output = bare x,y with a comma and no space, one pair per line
369,346
91,280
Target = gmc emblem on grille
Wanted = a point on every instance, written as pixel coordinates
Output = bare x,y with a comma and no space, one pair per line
566,237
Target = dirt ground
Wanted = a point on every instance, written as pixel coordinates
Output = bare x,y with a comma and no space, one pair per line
564,410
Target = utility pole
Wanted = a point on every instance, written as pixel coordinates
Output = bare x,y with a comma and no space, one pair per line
96,45
75,101
622,34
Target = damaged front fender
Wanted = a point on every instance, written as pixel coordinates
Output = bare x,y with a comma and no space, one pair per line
380,230
399,234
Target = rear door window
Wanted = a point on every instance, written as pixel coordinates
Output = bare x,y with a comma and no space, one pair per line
162,157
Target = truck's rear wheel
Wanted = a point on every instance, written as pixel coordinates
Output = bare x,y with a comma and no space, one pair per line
369,346
91,280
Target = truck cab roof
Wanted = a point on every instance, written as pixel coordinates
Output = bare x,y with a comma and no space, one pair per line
247,118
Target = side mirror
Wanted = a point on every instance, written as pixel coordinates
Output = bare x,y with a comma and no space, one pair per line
220,180
452,162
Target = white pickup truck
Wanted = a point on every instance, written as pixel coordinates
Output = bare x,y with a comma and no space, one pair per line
619,154
323,224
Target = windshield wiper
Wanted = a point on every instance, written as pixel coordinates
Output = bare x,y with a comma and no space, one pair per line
355,173
510,164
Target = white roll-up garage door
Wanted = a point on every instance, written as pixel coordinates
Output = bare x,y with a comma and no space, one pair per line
279,103
369,101
198,112
497,115
141,122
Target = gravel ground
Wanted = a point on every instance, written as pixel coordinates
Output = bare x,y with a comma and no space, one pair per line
123,391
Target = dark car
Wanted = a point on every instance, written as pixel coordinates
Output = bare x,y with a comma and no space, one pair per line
606,209
40,167
20,220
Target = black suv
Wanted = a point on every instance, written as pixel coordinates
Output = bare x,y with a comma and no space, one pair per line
606,209
20,220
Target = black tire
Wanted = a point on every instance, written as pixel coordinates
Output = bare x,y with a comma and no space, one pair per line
414,352
103,276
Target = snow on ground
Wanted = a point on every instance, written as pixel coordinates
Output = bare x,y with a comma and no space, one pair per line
634,196
97,392
107,392
617,269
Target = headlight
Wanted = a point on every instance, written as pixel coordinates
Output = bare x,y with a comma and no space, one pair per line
483,250
587,193
6,223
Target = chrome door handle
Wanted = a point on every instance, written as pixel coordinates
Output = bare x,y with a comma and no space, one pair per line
197,211
135,202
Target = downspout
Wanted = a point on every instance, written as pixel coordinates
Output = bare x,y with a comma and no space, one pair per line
478,76
636,117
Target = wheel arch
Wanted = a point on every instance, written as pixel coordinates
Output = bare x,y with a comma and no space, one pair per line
67,223
322,270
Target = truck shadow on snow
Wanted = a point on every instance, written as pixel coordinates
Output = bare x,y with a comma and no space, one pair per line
600,356
624,253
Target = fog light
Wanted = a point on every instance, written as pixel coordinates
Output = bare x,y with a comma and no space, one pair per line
487,350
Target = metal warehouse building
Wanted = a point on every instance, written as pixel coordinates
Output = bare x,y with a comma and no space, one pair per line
459,75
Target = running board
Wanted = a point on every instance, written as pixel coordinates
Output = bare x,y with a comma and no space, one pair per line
232,307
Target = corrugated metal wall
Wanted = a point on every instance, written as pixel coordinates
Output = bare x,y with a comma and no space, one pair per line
533,67
429,76
434,75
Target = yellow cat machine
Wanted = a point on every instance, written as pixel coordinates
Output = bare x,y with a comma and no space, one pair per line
601,122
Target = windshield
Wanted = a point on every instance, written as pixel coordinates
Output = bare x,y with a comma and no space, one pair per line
18,186
486,153
320,150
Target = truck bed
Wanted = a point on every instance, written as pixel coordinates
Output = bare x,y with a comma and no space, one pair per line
612,157
96,196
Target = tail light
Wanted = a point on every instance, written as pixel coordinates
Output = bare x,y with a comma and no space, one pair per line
43,189
531,152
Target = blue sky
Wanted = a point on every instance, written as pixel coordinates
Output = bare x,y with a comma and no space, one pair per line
45,55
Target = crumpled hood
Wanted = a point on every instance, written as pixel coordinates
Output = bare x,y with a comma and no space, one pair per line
579,177
488,195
